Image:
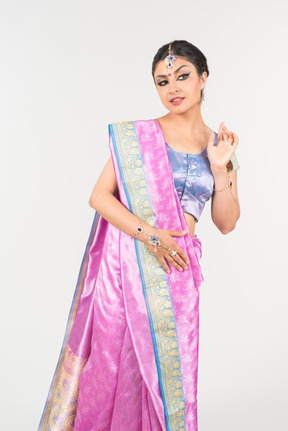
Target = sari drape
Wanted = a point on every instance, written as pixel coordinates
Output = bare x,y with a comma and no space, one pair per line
129,358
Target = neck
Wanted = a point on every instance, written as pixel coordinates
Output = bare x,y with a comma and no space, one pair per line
189,124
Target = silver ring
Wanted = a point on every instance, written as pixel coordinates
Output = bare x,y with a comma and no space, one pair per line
174,252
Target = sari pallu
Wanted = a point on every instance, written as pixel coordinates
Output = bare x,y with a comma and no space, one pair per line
129,359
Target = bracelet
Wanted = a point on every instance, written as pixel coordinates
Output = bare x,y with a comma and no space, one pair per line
152,239
229,185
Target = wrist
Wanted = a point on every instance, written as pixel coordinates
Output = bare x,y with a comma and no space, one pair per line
144,231
142,237
221,180
218,170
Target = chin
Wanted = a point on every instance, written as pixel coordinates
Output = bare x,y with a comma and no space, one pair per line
178,109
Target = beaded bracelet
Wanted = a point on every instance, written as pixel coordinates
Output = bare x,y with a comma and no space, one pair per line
152,239
229,185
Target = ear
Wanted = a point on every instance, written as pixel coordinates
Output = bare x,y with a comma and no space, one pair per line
203,79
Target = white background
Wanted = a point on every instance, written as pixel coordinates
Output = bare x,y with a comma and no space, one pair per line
68,69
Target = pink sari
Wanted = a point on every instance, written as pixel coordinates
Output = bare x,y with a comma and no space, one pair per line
129,359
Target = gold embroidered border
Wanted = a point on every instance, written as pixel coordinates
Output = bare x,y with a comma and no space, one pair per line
65,399
58,395
155,279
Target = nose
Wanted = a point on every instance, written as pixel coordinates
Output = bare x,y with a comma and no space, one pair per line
172,87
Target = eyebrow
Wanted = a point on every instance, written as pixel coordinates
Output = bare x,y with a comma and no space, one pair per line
164,76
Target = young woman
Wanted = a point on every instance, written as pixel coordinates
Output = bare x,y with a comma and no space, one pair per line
129,359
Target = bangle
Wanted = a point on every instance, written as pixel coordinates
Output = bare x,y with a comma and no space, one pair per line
152,239
229,185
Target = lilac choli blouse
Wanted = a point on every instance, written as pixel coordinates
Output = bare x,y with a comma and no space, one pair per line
193,178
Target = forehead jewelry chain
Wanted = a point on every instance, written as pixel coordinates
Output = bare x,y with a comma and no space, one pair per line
169,60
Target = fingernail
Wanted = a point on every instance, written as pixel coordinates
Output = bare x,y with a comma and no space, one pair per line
188,261
181,269
184,231
186,267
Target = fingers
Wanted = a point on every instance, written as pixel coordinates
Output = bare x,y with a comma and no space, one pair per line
177,232
164,264
235,140
182,255
180,260
177,262
173,262
211,140
220,133
227,135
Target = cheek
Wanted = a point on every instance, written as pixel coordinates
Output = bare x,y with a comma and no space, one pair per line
162,94
161,90
192,89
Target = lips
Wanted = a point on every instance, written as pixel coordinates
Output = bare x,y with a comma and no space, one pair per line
177,99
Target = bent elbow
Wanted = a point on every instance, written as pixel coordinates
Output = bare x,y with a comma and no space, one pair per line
226,230
98,199
231,225
91,203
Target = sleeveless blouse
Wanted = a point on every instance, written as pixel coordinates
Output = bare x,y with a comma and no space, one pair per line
193,178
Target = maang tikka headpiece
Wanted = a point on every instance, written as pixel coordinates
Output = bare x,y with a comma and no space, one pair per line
169,60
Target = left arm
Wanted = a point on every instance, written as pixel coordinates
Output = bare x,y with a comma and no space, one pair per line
225,208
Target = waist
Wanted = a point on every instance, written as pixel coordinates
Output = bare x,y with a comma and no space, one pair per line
191,223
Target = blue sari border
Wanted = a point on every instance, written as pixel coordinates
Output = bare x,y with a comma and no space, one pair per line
153,277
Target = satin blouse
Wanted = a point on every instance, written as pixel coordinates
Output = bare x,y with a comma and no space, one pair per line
193,178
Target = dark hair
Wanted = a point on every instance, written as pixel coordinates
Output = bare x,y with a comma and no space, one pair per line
183,49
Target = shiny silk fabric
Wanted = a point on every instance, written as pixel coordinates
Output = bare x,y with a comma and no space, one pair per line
193,178
129,359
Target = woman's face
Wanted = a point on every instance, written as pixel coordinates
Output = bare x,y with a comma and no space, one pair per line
181,82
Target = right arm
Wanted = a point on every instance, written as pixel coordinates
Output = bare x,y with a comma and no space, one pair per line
103,200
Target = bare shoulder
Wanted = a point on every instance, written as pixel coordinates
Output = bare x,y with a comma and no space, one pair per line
208,130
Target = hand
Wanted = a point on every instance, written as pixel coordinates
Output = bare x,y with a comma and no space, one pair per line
220,154
181,259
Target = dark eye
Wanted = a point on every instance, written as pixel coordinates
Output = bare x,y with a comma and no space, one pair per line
185,76
162,83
